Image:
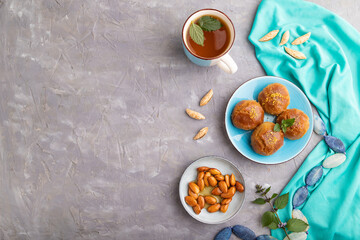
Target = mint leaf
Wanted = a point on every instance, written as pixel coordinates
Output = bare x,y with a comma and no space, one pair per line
283,128
274,196
288,122
208,23
259,201
296,225
277,128
282,201
268,218
197,34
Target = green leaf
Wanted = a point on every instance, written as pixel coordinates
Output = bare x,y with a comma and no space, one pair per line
268,218
296,225
272,226
285,123
267,190
196,34
283,128
259,201
282,201
208,23
277,128
274,195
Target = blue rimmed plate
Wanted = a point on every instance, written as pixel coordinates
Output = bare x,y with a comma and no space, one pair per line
241,138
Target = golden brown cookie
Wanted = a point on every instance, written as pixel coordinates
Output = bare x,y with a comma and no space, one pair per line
247,115
265,141
274,98
300,126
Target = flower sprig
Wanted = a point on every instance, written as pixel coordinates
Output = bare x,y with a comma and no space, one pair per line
271,218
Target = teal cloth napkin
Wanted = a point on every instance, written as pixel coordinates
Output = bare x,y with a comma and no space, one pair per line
330,78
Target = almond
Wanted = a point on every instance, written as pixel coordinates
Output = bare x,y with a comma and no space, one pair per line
206,98
194,115
194,195
301,39
201,184
202,132
200,175
212,181
201,202
227,180
226,201
224,208
190,201
214,171
197,209
295,54
210,200
239,186
202,169
206,177
223,187
269,36
216,191
232,180
219,177
214,208
194,187
229,194
285,38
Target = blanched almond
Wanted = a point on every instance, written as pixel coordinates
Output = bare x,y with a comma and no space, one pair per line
232,180
216,191
214,171
202,132
239,186
201,202
195,115
285,38
202,169
269,36
223,187
227,180
226,201
295,54
224,208
194,195
210,200
194,187
197,209
206,177
229,194
219,177
214,208
206,98
201,184
301,39
190,201
212,181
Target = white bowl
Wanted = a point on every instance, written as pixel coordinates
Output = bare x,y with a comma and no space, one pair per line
225,167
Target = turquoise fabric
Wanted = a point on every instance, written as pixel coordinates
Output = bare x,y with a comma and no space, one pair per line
330,77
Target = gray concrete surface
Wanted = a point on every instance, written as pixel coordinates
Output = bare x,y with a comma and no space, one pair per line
93,133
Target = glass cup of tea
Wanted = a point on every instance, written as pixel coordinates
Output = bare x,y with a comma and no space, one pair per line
216,44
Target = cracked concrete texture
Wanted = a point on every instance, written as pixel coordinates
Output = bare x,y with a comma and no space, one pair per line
94,137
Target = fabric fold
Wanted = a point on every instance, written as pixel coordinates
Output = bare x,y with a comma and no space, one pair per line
330,77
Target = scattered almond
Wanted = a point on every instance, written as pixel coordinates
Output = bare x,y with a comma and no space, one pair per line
214,171
269,36
227,180
195,115
239,186
201,184
197,209
212,181
285,38
202,169
294,53
301,39
194,195
206,98
200,175
226,201
210,200
223,187
201,133
194,187
201,202
219,177
229,194
207,175
232,180
190,201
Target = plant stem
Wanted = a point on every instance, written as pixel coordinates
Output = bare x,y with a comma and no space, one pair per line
276,215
